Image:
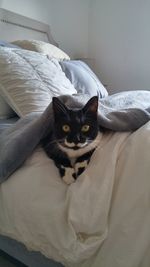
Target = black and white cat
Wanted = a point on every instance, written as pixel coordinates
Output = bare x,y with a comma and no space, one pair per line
74,138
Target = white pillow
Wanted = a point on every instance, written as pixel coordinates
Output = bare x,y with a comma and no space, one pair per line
5,110
42,47
29,80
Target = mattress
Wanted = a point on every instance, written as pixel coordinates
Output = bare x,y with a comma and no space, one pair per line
20,252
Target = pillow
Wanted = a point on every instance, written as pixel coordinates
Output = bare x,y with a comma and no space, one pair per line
5,110
6,44
83,78
42,47
29,80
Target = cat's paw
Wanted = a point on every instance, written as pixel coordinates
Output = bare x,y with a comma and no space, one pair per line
69,176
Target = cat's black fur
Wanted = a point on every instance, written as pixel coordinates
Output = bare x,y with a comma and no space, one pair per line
74,138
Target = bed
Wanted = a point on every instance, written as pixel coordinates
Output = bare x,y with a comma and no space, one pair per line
103,218
12,27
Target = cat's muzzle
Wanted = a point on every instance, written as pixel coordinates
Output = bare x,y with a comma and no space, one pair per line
73,145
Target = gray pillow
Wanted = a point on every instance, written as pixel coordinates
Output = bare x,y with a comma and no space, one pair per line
83,78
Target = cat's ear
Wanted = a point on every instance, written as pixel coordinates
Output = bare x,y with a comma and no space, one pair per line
58,107
91,106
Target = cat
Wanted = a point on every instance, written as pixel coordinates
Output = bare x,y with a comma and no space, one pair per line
74,138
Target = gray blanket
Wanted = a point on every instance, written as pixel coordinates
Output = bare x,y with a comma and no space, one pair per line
126,111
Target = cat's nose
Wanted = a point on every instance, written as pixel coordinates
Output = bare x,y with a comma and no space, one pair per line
77,139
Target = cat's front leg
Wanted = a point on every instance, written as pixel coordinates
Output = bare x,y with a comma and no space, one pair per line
82,162
69,175
66,171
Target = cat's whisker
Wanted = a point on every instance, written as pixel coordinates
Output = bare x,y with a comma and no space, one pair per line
89,141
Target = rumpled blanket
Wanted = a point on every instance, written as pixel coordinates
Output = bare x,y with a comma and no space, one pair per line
125,111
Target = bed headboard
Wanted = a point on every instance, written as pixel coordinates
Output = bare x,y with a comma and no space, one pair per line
14,26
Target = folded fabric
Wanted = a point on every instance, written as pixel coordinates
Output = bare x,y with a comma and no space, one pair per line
6,123
83,78
29,80
5,110
126,111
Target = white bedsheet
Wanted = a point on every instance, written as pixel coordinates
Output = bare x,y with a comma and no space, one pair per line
102,220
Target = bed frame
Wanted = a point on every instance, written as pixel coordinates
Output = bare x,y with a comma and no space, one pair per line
12,27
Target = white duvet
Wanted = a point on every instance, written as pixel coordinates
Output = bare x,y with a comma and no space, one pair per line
102,220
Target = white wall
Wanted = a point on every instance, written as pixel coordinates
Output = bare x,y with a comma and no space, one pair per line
119,41
68,20
115,34
30,8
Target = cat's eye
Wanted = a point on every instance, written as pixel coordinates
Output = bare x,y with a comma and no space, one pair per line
85,128
66,128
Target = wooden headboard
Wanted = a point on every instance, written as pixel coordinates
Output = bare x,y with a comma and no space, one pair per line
14,26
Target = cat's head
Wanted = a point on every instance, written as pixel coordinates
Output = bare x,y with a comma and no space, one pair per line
75,129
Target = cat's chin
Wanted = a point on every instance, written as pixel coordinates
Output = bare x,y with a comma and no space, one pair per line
74,147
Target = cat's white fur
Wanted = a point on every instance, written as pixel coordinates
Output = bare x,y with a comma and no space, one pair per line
73,154
84,149
73,144
68,178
